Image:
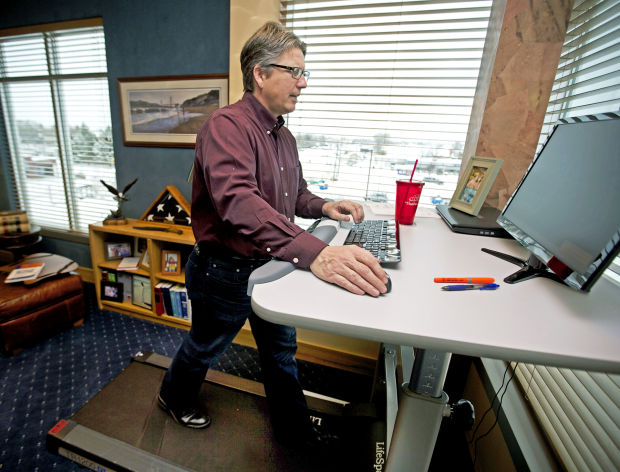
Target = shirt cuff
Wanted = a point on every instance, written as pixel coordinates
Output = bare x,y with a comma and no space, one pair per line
316,207
303,250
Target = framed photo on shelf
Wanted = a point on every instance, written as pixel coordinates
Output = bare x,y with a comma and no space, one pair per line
141,289
171,262
117,250
139,246
474,184
144,261
112,291
168,111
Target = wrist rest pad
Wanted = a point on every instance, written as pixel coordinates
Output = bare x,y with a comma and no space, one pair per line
276,268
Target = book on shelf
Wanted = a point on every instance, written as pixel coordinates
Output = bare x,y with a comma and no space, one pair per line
184,302
159,300
165,295
176,294
127,282
174,301
108,275
128,263
25,272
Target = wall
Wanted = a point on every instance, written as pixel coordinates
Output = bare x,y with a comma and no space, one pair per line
246,16
143,38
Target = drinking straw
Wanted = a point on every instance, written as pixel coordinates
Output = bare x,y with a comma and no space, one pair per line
402,204
414,166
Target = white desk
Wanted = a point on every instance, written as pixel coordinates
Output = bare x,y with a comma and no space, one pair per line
538,320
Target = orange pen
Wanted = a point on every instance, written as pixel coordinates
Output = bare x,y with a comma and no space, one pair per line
464,280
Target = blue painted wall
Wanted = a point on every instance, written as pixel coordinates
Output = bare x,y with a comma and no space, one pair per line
143,39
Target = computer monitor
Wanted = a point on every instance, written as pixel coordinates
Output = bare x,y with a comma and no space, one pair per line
566,209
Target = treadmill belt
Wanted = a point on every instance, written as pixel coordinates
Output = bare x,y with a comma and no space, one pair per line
122,428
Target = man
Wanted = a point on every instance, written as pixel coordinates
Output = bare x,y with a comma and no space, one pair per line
247,188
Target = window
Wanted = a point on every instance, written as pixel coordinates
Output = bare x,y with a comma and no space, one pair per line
54,92
588,76
578,410
390,83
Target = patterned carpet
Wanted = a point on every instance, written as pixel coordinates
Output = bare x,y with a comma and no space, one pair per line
52,380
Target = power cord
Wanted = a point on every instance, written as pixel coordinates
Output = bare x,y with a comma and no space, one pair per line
501,399
473,434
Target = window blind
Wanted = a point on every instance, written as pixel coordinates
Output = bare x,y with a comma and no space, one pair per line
56,111
589,69
391,83
580,411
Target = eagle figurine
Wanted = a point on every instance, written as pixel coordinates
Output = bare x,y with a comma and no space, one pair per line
120,197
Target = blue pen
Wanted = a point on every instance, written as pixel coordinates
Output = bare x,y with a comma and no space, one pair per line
456,288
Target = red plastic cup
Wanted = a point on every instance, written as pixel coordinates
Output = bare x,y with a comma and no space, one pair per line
407,198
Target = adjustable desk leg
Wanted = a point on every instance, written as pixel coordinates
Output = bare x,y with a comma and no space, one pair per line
422,406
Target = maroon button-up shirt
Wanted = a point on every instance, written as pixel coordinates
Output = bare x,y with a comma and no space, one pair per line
248,186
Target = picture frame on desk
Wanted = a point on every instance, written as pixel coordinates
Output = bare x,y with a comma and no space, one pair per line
474,184
171,262
168,111
117,250
112,291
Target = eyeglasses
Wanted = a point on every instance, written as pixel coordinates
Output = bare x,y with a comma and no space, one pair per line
296,72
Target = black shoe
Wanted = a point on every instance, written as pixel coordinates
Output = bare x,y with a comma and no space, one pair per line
192,418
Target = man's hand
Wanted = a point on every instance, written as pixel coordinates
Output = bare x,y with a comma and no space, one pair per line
342,209
352,268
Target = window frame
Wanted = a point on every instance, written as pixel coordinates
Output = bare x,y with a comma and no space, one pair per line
16,175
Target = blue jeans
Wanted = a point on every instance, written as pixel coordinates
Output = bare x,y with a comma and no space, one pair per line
217,289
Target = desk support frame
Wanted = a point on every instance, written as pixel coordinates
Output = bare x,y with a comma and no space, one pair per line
422,406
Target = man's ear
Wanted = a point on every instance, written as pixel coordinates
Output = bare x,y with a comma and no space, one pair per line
259,75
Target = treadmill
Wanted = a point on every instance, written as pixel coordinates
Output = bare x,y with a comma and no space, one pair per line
122,428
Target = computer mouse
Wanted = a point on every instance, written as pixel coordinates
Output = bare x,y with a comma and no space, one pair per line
388,285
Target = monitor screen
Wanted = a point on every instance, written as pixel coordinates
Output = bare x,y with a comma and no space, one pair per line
566,210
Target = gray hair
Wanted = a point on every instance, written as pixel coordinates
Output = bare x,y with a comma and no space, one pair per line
268,43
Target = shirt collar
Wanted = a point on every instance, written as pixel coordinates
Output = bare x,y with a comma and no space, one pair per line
265,117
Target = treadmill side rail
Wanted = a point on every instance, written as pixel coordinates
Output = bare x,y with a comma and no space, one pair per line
102,453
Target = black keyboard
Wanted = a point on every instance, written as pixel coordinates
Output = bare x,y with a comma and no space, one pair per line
378,237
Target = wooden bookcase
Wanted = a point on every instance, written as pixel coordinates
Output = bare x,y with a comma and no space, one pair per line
156,242
351,354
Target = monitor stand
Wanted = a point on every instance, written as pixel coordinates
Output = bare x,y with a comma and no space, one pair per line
530,268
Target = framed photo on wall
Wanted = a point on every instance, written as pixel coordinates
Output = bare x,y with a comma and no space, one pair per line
168,111
474,184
